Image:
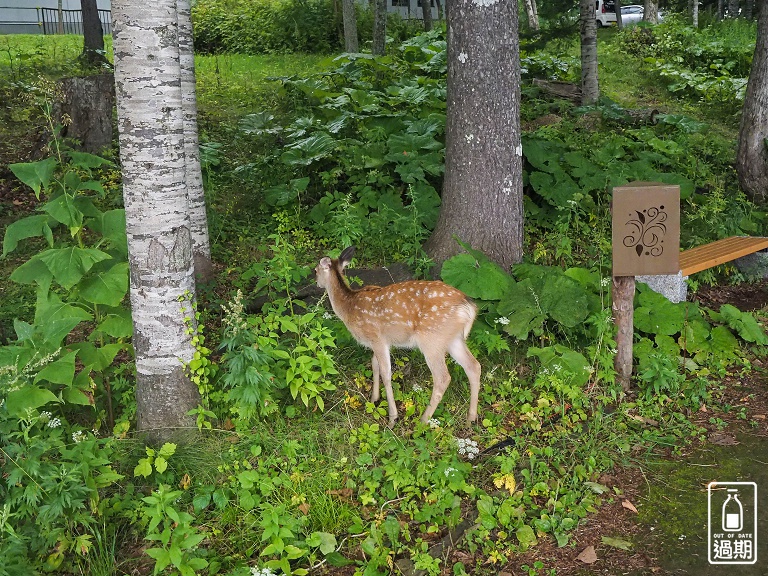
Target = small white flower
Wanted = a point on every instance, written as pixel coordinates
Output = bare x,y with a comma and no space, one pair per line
54,422
417,388
503,320
78,436
328,316
434,423
262,572
45,415
468,448
449,470
605,281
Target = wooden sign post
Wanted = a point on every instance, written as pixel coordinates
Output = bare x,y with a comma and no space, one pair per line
646,241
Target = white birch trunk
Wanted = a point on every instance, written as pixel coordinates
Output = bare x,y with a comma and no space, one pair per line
533,14
150,123
590,89
379,45
694,4
201,247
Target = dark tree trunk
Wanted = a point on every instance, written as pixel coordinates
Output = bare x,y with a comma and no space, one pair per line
379,46
590,90
483,189
88,103
426,14
749,8
619,22
350,25
93,33
623,317
752,153
733,8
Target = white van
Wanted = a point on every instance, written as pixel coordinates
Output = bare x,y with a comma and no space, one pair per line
605,13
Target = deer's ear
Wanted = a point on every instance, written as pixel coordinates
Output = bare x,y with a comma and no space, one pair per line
325,262
346,256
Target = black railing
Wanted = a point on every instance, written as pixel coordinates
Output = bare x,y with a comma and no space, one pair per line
71,21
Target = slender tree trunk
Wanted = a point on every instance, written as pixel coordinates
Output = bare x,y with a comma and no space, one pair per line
619,21
733,8
533,14
651,11
694,5
379,47
752,153
426,14
749,9
350,26
720,5
151,130
60,13
590,90
201,248
440,11
93,33
483,189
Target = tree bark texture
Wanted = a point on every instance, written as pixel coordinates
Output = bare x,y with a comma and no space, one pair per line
482,201
151,133
379,47
93,33
198,218
749,8
623,318
88,102
426,14
532,12
350,25
590,90
651,11
694,6
752,152
619,21
733,8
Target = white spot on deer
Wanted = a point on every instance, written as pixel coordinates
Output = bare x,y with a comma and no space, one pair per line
463,56
434,308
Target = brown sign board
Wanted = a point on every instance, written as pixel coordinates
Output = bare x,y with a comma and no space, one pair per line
646,229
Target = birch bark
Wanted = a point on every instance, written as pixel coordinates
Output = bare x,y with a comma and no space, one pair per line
482,201
201,247
590,89
379,47
151,134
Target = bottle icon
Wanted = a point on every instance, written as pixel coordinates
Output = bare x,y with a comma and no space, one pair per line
733,512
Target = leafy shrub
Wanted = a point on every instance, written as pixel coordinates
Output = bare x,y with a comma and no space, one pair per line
265,26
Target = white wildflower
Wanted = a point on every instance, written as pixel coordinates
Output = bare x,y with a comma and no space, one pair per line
54,422
468,448
78,436
328,316
449,470
503,320
262,572
434,423
417,388
605,281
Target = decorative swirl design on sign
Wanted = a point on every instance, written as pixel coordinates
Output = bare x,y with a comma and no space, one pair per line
647,231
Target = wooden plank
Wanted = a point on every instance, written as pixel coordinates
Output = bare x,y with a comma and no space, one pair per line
719,252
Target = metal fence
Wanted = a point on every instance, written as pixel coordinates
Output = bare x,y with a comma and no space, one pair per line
70,21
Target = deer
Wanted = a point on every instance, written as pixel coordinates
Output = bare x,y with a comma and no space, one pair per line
426,314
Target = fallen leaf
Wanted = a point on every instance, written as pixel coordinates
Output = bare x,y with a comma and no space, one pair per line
588,555
343,493
629,506
616,543
758,416
703,408
304,507
720,439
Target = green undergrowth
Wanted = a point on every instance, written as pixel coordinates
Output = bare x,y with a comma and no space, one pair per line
293,470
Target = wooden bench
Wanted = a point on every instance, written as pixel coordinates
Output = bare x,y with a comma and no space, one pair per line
719,252
701,258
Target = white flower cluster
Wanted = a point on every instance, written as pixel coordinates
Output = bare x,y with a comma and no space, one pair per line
434,423
234,316
78,436
468,448
449,470
262,572
417,388
54,422
503,320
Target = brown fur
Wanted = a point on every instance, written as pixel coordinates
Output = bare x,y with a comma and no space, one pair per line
429,315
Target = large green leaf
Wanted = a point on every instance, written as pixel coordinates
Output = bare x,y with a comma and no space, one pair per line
106,287
36,175
33,271
307,150
26,398
37,225
657,315
60,371
111,225
97,358
117,324
64,210
742,322
56,318
562,360
477,278
68,265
